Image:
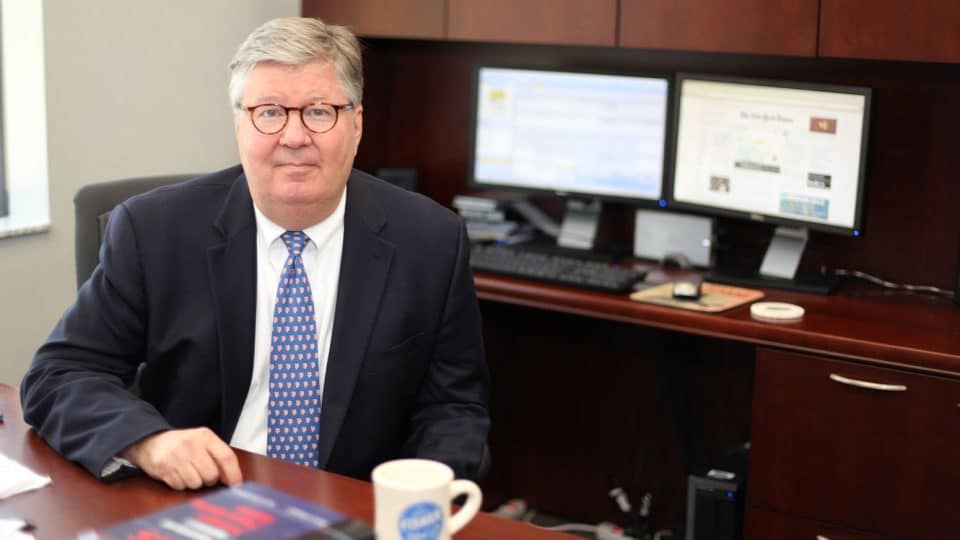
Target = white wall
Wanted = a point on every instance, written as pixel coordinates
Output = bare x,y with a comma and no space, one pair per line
134,87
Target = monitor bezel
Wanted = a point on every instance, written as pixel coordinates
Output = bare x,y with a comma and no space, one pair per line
705,209
639,202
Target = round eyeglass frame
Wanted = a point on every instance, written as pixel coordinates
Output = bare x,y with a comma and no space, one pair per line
286,118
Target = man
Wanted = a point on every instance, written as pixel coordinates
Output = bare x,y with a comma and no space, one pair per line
290,306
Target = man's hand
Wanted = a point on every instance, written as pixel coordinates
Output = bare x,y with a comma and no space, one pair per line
185,458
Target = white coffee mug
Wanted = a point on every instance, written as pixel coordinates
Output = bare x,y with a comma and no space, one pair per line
412,500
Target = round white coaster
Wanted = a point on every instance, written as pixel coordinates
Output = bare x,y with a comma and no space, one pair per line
776,311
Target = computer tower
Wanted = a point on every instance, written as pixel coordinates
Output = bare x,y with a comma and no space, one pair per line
715,498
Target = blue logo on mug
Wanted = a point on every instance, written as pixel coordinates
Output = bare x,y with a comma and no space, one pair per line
421,521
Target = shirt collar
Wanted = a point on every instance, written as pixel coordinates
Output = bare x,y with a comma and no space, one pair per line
319,234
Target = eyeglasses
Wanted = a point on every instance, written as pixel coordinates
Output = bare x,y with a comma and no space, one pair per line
271,118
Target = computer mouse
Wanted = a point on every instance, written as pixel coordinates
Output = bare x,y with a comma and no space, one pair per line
687,288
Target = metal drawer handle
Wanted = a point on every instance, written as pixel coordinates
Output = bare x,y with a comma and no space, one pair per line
867,384
822,537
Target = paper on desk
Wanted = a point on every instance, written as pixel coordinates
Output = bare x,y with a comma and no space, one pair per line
10,529
15,478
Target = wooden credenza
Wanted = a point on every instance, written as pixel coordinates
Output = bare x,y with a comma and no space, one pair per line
854,445
853,412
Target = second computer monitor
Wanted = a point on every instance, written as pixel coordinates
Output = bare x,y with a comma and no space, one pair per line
787,153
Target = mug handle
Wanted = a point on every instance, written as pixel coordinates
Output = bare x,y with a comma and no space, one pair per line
468,510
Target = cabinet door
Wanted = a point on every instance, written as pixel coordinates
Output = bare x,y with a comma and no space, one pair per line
565,22
921,30
417,19
829,444
765,525
785,27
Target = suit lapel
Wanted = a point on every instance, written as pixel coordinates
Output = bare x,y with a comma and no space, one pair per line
363,273
233,278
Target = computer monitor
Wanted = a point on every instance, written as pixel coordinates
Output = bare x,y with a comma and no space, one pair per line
786,153
586,136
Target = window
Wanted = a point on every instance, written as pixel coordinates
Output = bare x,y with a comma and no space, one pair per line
4,207
23,160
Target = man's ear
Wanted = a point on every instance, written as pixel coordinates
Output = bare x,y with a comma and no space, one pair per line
236,122
358,122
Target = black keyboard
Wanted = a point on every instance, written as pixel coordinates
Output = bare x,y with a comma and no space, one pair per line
552,268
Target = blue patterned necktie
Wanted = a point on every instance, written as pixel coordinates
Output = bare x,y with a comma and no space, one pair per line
294,408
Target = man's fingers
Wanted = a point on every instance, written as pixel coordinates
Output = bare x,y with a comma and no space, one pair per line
207,469
227,463
189,458
173,479
191,477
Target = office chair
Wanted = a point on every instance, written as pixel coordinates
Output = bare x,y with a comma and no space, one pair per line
92,206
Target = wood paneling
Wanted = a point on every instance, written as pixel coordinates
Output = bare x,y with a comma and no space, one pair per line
867,459
419,19
569,22
786,27
922,30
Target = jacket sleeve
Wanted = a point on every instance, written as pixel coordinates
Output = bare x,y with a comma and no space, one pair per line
76,392
451,418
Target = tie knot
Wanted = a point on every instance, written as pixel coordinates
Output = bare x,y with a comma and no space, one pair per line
295,241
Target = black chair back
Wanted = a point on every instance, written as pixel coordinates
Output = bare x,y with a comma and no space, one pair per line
92,206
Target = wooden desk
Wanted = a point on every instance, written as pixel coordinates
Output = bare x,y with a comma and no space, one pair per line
917,332
77,501
599,386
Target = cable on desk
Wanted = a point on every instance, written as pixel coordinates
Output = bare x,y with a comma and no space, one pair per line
570,527
890,284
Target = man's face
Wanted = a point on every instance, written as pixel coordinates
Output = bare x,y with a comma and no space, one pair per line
297,174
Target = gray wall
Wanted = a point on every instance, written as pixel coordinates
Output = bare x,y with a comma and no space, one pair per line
134,87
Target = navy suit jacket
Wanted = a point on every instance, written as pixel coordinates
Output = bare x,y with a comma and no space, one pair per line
176,289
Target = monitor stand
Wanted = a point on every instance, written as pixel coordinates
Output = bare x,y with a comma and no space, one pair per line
578,233
579,229
779,267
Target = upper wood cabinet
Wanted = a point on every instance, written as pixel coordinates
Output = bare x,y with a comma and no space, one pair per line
921,30
924,30
567,22
785,27
414,19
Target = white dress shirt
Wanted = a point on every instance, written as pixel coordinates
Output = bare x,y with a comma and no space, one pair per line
321,259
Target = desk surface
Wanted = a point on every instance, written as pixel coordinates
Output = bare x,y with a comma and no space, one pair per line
77,501
897,329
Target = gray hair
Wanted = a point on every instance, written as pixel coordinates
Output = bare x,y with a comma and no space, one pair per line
297,41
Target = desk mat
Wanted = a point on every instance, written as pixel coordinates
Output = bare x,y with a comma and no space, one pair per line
714,298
